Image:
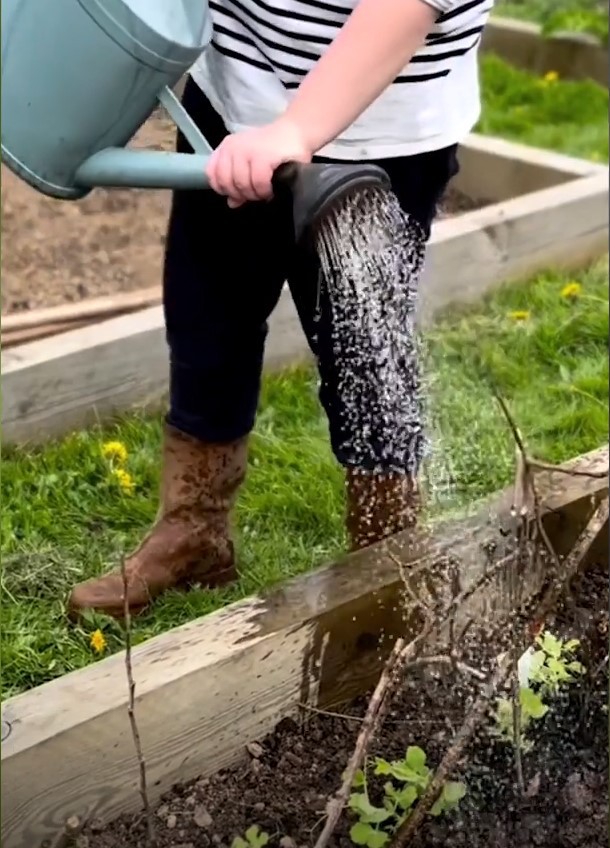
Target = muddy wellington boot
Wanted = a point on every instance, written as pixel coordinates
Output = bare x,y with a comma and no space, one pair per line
190,541
379,506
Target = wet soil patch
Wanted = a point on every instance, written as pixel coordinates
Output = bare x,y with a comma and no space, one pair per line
283,782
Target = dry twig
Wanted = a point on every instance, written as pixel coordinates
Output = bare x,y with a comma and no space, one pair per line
67,837
336,805
402,655
131,710
453,755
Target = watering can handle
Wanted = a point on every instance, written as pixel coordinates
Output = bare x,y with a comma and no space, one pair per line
125,167
184,122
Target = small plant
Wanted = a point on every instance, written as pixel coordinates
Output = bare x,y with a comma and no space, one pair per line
409,779
548,669
254,837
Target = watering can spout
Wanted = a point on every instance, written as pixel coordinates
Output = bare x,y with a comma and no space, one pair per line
124,167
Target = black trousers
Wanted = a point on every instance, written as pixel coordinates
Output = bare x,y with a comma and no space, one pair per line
223,275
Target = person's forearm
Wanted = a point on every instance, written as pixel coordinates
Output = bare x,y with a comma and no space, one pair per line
377,41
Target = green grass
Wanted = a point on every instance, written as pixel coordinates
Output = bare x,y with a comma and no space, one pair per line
566,116
64,517
577,16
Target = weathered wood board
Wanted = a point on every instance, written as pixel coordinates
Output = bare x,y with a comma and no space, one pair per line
571,55
206,689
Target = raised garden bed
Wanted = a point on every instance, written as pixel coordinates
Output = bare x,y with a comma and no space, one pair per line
571,55
208,689
542,209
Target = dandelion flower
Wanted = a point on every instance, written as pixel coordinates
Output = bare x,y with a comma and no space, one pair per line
551,76
97,640
115,451
519,315
571,291
124,480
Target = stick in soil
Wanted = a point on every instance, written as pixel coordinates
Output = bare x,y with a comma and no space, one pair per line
131,710
67,837
453,755
336,804
402,655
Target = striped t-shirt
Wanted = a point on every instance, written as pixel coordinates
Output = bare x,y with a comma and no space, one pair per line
262,49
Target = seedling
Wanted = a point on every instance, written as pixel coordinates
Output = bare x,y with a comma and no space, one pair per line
254,837
409,779
548,669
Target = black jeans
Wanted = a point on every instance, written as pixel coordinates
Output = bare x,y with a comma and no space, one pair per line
224,272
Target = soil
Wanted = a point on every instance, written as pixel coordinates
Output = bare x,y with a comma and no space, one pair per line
284,781
110,242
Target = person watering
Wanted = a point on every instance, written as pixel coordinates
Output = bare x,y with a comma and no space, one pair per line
393,82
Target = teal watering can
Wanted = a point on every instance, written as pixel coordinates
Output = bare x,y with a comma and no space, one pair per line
80,77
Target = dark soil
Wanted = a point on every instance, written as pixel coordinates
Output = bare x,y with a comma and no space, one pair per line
284,782
110,242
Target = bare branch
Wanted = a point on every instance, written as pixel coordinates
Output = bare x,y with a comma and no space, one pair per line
131,710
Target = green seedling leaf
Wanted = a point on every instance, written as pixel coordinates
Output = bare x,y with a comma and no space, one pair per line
400,771
550,644
416,759
359,802
450,797
378,839
532,704
359,779
363,834
255,838
238,842
453,792
406,797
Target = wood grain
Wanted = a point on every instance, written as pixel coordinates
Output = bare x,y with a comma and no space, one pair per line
208,688
96,307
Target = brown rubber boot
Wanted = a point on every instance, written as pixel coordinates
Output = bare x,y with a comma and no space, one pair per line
379,506
190,540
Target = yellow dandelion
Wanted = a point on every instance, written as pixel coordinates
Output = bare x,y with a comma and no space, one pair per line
115,451
124,480
551,76
519,315
97,640
571,291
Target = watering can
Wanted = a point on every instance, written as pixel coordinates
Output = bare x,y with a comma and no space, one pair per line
80,77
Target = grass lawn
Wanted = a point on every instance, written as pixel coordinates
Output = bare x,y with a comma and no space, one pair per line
66,516
566,116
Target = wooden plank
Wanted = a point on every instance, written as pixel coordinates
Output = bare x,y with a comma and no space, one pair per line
12,338
96,307
206,689
571,55
68,381
495,169
565,226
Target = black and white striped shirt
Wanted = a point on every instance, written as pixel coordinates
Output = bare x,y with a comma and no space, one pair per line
262,49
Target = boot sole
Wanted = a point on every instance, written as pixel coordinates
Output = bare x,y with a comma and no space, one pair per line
210,580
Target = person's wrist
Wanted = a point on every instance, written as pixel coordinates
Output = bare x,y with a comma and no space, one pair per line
301,130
